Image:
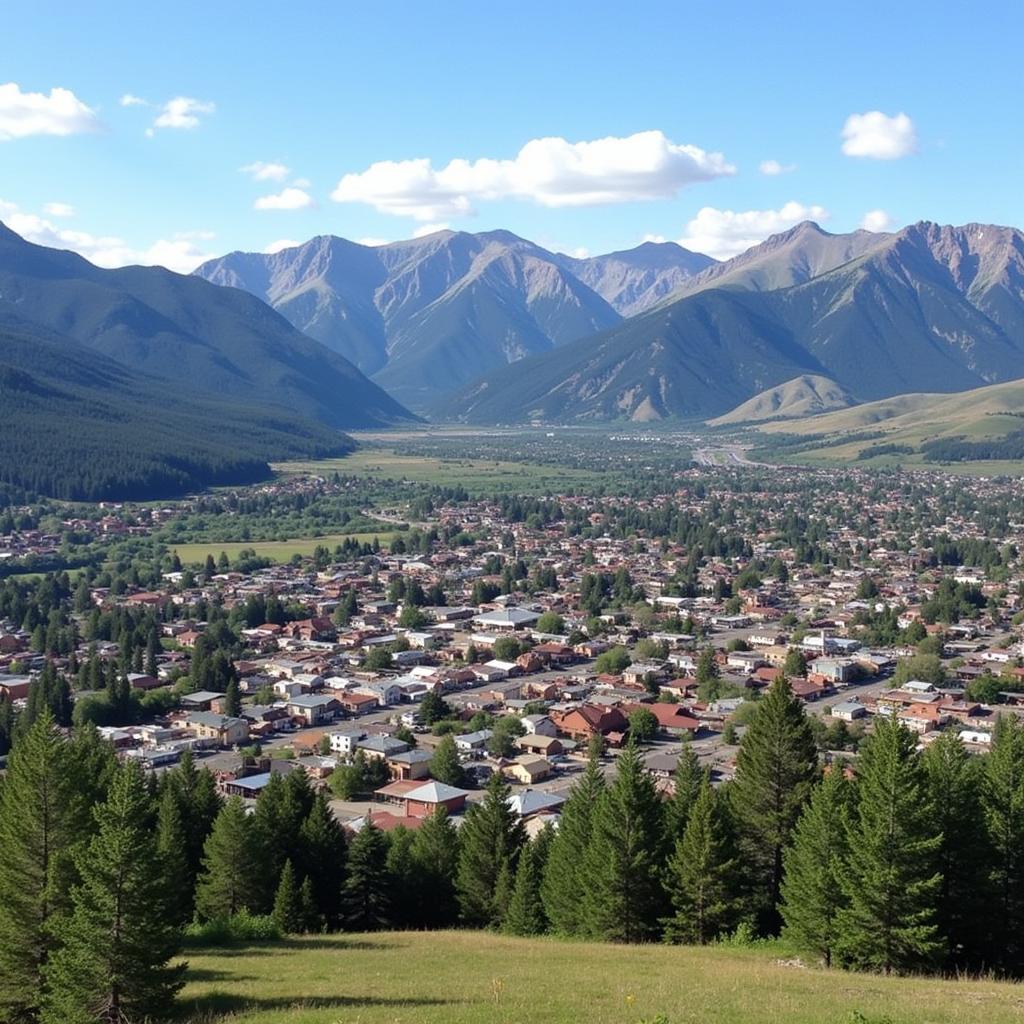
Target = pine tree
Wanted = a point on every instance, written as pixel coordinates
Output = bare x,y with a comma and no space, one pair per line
323,851
776,767
445,765
366,902
525,914
312,920
230,865
117,944
232,700
890,882
814,864
37,832
955,784
1003,805
288,911
686,786
435,853
491,837
565,872
172,849
702,873
401,871
622,865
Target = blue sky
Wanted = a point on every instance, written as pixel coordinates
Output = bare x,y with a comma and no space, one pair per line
692,99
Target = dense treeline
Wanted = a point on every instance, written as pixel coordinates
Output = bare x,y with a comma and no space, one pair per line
959,449
908,862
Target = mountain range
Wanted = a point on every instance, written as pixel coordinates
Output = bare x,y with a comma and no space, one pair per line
928,308
425,317
140,380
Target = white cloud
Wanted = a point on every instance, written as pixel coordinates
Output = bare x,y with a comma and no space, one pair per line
129,100
181,112
429,229
260,171
727,233
302,183
549,171
35,113
286,199
373,242
876,220
179,253
281,243
59,210
773,168
879,137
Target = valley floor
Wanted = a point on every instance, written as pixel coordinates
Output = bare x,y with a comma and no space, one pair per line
479,978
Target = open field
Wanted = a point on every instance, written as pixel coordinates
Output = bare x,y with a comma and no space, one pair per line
278,550
476,475
480,978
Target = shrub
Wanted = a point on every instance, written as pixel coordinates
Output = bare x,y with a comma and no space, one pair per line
241,928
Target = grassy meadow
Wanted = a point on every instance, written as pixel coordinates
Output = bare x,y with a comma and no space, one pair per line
480,978
278,550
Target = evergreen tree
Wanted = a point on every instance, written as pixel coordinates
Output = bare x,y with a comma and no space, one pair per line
435,853
37,831
565,872
525,914
366,903
322,854
230,865
686,785
776,767
812,894
702,872
491,837
1003,805
401,871
890,882
312,920
955,784
445,765
116,945
288,911
232,700
623,864
172,848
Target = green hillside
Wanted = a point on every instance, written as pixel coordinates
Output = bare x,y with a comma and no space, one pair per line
481,978
806,395
984,426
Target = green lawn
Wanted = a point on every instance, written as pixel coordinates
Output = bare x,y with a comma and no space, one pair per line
476,475
477,978
278,550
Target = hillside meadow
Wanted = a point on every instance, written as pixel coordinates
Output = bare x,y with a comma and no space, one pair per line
480,978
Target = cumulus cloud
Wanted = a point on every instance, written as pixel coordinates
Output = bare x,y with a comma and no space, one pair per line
130,100
59,210
180,253
260,171
773,168
373,242
35,113
550,171
876,220
429,229
281,243
182,112
726,233
879,137
286,199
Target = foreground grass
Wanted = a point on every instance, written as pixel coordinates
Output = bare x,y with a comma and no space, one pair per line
479,978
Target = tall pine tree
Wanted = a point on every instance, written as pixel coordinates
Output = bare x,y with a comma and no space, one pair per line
366,894
231,864
623,865
564,880
702,874
37,833
776,767
525,914
812,894
891,882
1003,804
435,854
114,964
491,837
